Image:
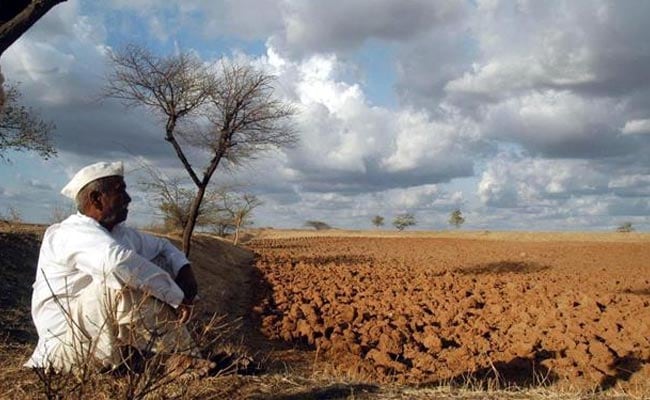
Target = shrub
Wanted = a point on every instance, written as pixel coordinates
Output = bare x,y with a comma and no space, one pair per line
318,225
403,221
456,218
625,227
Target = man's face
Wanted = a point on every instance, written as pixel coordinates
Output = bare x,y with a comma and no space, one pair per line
115,201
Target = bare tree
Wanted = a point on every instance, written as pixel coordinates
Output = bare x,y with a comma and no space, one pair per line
223,208
229,112
174,199
17,16
22,130
240,208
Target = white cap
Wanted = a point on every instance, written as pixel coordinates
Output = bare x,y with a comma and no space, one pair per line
89,174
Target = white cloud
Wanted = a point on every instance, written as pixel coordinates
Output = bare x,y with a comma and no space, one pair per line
516,181
347,142
636,127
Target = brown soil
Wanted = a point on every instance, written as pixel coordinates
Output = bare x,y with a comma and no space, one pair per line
411,308
428,310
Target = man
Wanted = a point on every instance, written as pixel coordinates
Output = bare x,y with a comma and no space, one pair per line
102,287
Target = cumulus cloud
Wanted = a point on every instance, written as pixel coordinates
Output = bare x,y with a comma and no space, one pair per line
561,88
514,180
563,192
558,124
347,144
558,78
636,126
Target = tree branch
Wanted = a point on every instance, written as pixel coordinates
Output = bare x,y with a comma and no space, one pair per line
13,28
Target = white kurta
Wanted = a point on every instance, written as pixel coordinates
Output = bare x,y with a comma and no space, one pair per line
78,252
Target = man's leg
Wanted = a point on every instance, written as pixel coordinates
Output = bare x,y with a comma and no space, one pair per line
103,320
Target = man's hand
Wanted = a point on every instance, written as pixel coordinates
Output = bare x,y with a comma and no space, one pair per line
186,281
184,311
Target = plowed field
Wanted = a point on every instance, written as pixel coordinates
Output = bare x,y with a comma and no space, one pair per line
430,309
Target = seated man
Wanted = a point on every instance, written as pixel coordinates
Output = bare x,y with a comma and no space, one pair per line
98,287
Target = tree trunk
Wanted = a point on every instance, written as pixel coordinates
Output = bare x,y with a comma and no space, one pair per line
13,28
191,221
237,227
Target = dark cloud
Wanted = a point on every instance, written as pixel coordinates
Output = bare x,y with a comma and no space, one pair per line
312,27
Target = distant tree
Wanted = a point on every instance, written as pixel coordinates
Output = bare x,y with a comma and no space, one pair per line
456,218
625,227
239,208
318,225
21,129
403,221
378,221
174,198
227,112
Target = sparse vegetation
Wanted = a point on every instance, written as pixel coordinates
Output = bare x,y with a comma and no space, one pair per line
625,227
456,218
378,221
239,209
318,225
12,216
143,373
403,221
21,129
223,209
173,199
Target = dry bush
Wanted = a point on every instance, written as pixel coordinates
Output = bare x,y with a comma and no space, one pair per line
12,216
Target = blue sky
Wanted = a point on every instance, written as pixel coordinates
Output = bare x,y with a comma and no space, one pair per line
524,114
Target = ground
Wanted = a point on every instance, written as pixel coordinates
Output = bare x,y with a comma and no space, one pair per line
347,314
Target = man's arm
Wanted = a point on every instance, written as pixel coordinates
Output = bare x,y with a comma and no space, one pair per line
120,266
187,282
152,247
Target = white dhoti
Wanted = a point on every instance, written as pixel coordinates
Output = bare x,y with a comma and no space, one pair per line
101,321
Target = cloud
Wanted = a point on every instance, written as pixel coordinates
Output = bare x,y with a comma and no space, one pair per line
636,127
349,145
312,27
629,207
558,124
517,181
522,113
558,78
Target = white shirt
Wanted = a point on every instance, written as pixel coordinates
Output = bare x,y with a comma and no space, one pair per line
78,251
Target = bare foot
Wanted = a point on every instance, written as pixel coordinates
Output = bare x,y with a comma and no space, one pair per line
186,367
